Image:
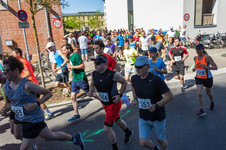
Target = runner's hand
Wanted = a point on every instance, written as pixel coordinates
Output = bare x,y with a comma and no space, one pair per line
151,108
134,101
30,106
156,68
194,69
69,66
203,66
116,99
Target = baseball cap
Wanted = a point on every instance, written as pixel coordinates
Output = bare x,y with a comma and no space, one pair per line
100,59
153,49
130,36
171,27
141,60
50,44
199,46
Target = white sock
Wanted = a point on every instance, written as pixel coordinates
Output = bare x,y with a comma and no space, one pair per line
182,85
47,111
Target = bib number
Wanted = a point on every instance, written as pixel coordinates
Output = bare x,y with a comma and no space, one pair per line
19,111
144,103
103,96
201,72
177,58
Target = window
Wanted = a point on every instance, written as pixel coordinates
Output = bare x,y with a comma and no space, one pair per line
205,12
83,17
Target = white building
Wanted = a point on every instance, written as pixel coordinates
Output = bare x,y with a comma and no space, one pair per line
204,16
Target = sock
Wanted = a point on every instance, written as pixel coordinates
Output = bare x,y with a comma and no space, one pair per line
114,146
182,85
127,130
47,111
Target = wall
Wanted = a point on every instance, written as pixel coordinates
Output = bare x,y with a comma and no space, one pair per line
158,14
116,14
9,29
219,18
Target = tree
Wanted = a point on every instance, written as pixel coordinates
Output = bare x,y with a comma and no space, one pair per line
36,6
74,23
94,22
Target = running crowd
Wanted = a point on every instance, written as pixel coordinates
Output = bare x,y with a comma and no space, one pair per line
145,57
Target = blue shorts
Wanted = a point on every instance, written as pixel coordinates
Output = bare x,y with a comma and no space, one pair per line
145,127
84,51
83,84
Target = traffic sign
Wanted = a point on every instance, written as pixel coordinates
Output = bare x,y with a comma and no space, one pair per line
186,16
23,24
57,23
22,15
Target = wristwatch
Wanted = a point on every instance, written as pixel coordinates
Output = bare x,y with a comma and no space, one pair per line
156,106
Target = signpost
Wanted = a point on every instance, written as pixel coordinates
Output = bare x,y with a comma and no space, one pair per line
57,23
186,16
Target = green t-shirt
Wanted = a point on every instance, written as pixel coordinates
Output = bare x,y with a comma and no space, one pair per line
78,74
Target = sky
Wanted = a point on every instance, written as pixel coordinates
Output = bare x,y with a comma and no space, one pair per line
83,5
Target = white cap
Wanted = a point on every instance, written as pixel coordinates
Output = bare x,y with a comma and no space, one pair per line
50,44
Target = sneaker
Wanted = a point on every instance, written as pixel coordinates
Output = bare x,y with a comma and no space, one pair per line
125,99
156,148
211,106
201,113
48,116
75,117
78,141
35,147
128,137
182,89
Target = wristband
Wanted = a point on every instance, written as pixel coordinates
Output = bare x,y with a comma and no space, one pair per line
38,103
156,106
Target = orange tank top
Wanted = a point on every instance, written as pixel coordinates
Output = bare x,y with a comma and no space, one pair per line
201,73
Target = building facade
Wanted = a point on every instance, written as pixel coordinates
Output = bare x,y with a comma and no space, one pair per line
200,16
12,36
86,20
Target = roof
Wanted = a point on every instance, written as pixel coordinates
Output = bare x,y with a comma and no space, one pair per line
86,13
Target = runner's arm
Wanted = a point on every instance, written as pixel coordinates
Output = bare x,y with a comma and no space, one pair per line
64,57
7,105
81,66
194,68
212,63
119,78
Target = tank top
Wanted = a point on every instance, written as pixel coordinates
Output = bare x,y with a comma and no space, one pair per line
105,85
59,59
202,73
18,99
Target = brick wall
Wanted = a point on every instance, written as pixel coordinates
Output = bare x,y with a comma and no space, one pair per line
9,29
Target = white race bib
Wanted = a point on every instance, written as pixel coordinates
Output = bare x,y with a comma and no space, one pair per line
177,58
201,72
19,111
103,96
144,103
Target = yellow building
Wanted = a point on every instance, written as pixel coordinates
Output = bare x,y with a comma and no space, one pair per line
84,20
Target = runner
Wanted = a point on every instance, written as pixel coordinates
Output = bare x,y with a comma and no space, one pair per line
168,46
177,57
20,96
61,69
203,64
171,33
83,44
99,47
105,81
147,90
157,65
112,47
130,55
28,72
158,45
120,42
144,42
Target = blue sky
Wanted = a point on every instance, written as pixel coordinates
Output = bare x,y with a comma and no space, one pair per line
83,5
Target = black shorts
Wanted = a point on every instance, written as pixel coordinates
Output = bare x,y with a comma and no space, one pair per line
12,115
178,69
63,77
121,48
205,82
32,130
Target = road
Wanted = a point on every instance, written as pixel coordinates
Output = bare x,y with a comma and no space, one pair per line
185,131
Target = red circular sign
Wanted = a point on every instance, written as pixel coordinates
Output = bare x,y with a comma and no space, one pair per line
22,15
186,17
57,23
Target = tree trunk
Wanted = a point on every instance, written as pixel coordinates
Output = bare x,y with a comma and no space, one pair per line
37,48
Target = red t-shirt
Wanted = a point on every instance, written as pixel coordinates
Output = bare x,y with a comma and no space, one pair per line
136,39
27,65
111,62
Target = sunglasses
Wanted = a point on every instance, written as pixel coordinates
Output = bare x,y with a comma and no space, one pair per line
139,67
97,63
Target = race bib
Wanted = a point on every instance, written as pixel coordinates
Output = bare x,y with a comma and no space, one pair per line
19,111
144,103
59,71
130,61
201,72
177,58
103,96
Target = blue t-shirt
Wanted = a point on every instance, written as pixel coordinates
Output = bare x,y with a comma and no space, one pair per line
160,65
132,44
97,37
1,67
121,41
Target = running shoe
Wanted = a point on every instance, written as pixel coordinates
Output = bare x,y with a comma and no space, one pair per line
201,113
74,118
35,147
128,137
212,106
48,116
78,141
182,89
125,99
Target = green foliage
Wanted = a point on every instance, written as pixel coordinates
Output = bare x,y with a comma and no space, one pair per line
74,23
94,21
